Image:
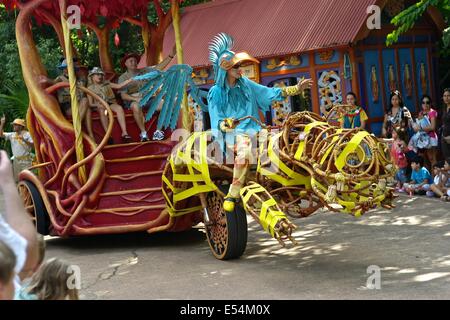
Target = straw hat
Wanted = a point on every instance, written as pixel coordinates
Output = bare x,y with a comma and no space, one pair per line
128,56
19,122
96,70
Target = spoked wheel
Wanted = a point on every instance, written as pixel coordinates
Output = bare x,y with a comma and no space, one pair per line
34,205
226,231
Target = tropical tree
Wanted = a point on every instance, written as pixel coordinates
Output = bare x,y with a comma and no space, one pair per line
103,39
406,19
13,93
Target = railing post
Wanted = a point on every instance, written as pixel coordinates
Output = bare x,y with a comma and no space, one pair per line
185,121
79,147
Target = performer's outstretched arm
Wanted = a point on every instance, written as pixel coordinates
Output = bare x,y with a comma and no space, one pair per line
166,61
265,95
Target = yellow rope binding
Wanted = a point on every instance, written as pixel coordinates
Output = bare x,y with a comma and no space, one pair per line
198,176
73,93
269,213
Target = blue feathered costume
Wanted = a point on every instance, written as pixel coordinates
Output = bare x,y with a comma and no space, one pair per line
226,102
243,98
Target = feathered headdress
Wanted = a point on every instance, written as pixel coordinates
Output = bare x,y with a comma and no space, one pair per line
220,49
222,58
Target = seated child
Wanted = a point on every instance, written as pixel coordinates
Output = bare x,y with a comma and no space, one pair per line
7,273
441,186
50,282
25,275
420,178
104,89
64,97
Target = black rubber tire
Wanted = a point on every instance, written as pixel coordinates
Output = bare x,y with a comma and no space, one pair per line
237,232
42,219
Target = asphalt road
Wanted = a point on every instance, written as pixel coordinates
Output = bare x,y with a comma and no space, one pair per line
409,245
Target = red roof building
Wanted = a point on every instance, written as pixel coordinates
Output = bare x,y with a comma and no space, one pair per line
327,40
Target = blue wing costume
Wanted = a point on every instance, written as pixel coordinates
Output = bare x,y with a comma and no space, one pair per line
168,86
245,98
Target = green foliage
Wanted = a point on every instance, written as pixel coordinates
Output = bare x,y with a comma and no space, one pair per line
86,44
10,69
165,4
14,102
130,41
406,19
446,37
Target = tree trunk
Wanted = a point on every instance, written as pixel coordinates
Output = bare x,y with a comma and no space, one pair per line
103,50
153,36
103,46
154,52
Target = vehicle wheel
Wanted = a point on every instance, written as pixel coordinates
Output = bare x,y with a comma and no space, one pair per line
34,205
226,231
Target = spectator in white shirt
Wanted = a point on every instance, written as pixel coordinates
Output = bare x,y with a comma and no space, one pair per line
16,228
21,145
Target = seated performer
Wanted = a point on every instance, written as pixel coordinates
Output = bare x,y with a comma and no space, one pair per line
64,98
234,96
130,93
104,89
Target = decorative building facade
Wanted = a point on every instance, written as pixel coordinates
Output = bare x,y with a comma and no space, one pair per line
326,40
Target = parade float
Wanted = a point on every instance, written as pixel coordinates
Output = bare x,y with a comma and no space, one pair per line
83,187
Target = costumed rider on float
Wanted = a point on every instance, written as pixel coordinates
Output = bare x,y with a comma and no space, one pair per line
234,96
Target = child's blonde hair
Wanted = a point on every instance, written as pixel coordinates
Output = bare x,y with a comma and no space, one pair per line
7,263
50,282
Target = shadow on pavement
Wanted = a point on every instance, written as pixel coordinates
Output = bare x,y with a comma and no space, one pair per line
189,238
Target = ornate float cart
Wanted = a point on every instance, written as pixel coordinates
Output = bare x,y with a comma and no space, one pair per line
85,188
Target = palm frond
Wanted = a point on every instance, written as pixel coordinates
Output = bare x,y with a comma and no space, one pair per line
14,100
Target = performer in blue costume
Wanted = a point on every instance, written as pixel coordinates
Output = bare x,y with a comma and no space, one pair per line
234,96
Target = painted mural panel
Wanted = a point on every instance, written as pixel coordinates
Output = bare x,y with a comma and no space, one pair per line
406,79
198,114
285,63
330,89
390,71
372,90
422,76
281,109
326,57
202,75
